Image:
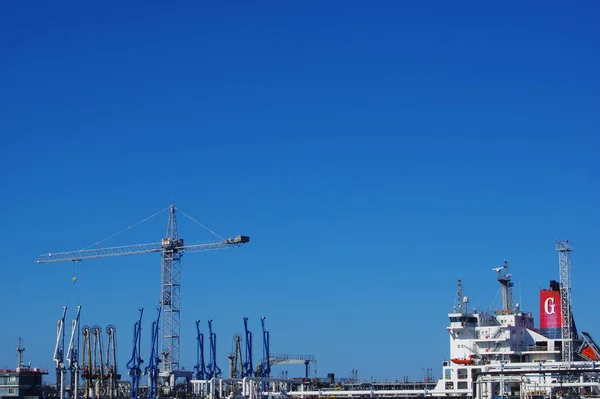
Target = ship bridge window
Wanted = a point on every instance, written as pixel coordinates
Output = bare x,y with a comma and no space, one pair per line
463,319
449,385
461,374
462,385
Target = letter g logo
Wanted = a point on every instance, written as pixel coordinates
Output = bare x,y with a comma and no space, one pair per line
549,306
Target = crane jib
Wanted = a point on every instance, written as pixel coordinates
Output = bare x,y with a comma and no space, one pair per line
78,256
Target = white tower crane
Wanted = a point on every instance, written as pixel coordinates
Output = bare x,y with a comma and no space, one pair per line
171,248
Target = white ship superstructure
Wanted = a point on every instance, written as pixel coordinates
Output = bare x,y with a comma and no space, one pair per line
504,355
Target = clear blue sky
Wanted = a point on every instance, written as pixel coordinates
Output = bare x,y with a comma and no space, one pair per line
374,152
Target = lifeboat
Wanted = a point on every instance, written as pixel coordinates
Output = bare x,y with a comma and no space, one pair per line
469,360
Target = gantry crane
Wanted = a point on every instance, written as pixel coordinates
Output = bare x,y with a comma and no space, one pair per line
171,248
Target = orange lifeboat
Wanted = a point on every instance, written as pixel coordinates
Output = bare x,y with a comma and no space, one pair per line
469,360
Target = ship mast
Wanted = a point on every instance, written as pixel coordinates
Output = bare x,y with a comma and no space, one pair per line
20,350
507,288
459,297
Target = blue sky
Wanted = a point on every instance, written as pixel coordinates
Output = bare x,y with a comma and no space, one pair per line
374,152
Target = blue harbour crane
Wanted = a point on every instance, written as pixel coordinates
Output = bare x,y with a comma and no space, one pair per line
264,368
212,370
248,369
152,368
200,367
134,364
171,248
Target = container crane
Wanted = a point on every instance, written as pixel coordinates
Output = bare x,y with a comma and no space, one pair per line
200,367
171,248
247,368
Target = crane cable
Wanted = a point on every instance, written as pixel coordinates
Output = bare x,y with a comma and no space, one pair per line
200,224
76,267
74,286
126,228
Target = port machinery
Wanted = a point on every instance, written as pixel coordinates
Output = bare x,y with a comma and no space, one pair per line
171,248
240,367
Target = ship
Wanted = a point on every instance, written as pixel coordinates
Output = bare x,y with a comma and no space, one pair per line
503,355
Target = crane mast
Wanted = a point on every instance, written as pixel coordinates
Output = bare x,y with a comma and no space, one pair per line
171,294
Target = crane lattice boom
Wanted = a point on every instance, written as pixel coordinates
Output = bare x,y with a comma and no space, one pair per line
77,256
